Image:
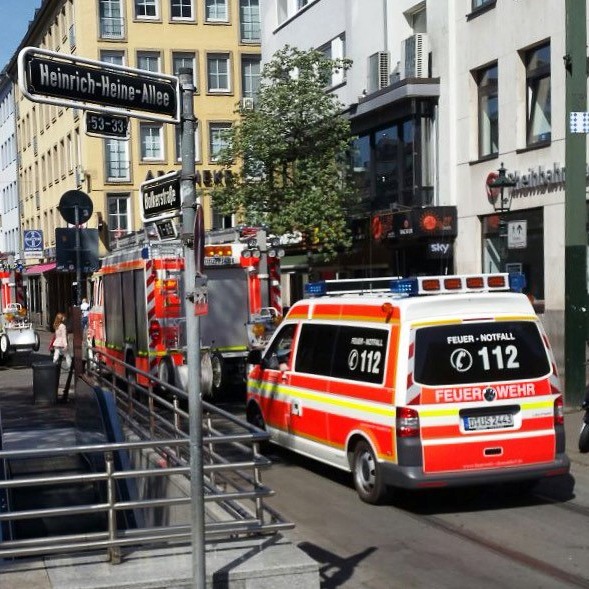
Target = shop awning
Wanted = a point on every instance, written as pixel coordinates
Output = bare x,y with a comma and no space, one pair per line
39,268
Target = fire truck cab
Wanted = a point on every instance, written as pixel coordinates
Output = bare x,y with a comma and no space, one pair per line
414,383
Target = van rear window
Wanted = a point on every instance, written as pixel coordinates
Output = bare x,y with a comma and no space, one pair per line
479,352
342,351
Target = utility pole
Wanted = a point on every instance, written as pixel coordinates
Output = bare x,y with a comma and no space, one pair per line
575,311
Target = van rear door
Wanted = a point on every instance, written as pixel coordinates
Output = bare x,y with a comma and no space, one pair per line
486,392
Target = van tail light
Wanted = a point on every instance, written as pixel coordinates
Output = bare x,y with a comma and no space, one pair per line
558,411
407,422
155,332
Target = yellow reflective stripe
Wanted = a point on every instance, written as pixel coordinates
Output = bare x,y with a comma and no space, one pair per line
331,399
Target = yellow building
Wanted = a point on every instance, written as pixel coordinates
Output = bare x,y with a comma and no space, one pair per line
218,39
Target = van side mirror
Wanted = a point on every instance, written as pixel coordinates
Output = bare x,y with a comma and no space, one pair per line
254,357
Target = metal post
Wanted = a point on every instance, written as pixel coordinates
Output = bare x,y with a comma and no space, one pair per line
189,202
78,256
575,207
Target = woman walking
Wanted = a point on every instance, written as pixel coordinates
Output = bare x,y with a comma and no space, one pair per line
60,345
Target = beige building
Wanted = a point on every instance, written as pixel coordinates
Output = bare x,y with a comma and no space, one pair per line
218,39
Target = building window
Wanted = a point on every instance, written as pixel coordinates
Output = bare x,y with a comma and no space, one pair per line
335,49
152,144
488,102
476,4
148,60
249,20
302,4
250,76
112,23
184,60
539,125
119,212
146,9
114,57
218,139
181,10
218,73
116,155
196,143
216,11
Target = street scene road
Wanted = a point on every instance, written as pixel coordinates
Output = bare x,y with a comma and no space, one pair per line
496,536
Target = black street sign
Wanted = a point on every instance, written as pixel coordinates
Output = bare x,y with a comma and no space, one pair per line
56,78
105,125
160,197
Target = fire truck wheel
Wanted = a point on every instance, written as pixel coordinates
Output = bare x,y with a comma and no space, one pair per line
218,376
367,473
206,375
166,372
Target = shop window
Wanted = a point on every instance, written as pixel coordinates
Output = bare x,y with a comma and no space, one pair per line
514,242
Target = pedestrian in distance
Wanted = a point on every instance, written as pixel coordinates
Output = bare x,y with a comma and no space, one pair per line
60,345
85,308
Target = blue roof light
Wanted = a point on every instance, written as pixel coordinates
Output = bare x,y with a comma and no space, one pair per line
315,289
517,281
408,286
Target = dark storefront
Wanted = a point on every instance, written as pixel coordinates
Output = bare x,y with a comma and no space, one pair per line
514,242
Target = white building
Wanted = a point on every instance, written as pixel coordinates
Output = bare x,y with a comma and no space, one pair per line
441,94
10,235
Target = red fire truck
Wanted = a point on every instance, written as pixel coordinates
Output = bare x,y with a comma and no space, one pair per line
138,312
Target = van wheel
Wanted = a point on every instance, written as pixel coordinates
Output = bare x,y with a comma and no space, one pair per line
37,343
367,473
254,416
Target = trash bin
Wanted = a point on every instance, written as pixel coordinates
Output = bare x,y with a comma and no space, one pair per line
45,383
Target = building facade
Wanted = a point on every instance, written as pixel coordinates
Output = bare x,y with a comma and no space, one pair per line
218,39
441,95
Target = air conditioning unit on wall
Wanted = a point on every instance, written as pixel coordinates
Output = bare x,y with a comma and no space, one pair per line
378,71
414,56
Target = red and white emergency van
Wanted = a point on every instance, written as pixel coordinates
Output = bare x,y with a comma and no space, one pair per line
441,381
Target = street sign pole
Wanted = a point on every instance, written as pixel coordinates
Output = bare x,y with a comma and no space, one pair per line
575,311
188,197
78,257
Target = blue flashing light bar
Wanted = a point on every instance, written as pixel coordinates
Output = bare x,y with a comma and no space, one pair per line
315,289
406,286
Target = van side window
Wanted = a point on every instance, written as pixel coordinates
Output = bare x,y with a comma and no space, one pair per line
353,353
315,349
279,351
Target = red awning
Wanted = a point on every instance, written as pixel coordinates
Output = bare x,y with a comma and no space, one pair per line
39,268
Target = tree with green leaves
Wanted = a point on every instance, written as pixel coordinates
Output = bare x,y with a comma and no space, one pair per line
290,151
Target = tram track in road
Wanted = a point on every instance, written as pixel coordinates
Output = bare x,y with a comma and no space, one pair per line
513,555
461,530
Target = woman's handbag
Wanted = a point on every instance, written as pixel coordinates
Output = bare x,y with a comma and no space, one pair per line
51,343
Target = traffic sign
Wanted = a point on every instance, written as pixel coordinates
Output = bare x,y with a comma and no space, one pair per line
72,200
106,126
67,80
160,197
33,243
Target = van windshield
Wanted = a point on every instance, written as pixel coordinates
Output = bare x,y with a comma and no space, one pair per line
479,353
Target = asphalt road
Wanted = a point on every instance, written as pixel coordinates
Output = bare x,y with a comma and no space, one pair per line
488,537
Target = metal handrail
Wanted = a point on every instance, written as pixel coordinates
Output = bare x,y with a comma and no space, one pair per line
234,493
